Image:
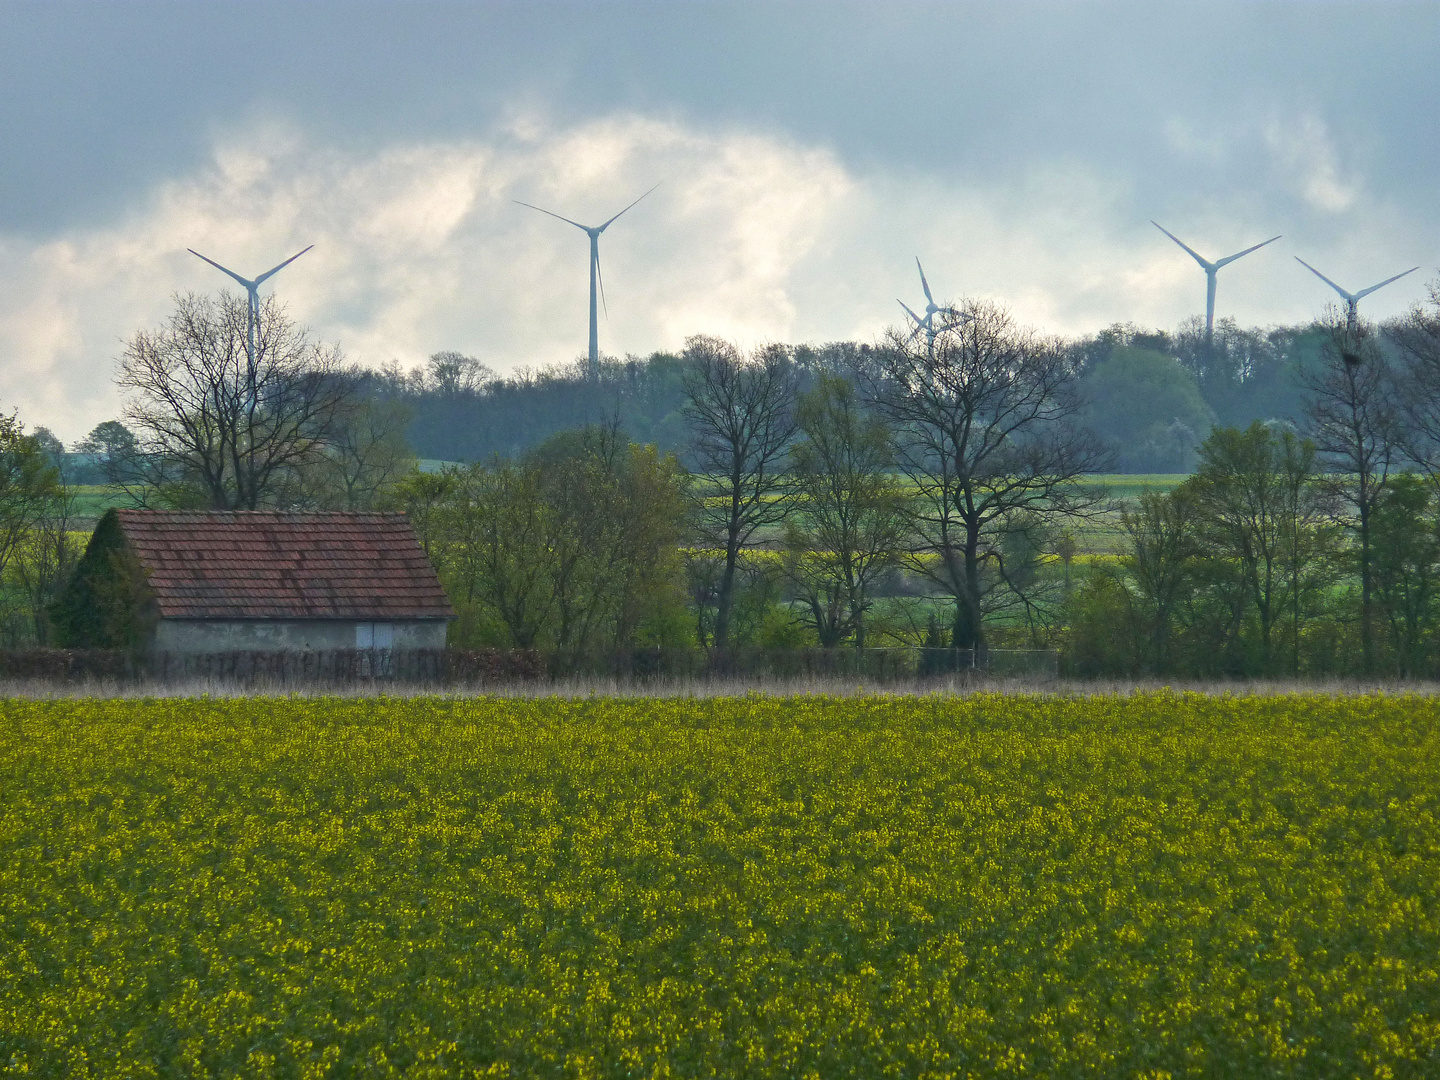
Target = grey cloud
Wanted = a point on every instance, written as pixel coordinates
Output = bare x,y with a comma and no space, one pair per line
1021,149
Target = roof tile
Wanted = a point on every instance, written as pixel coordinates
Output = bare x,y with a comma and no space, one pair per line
251,564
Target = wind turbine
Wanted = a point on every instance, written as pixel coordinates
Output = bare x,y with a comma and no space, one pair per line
252,288
931,308
593,231
1352,300
1210,269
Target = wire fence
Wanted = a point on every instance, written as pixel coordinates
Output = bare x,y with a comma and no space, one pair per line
890,664
489,667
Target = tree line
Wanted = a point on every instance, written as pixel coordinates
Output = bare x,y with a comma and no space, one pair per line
1292,550
918,491
1173,389
1152,394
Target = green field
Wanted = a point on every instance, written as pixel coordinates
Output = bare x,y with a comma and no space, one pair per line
1131,485
748,887
1099,536
92,500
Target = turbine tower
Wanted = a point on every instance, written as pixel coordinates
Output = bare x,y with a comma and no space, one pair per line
1352,300
931,308
1210,269
593,231
252,290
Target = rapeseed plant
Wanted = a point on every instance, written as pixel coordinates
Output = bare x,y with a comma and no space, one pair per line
920,887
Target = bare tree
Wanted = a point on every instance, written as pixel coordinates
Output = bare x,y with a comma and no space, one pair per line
1355,423
741,414
985,422
215,429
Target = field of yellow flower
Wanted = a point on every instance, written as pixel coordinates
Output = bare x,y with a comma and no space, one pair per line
1161,885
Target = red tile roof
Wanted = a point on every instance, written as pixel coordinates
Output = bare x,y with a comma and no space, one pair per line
264,565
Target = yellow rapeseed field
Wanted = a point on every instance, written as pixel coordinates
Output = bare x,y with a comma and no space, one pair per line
1154,886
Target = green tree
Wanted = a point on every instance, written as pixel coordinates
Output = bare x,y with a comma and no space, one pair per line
36,549
1253,494
1150,406
848,521
43,563
29,484
1310,544
1161,563
107,602
572,549
1407,568
366,456
422,497
759,601
618,513
1100,620
498,550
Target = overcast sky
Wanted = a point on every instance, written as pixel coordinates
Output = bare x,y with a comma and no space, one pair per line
806,153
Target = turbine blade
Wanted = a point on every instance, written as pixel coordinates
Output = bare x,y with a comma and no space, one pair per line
276,270
1387,281
1327,281
249,285
567,221
1193,253
923,283
1231,258
918,321
602,228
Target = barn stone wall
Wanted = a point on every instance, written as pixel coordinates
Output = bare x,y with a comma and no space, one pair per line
293,635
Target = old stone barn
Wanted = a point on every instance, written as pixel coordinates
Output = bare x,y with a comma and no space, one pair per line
183,582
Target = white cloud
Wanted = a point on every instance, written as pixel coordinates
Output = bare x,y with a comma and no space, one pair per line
418,247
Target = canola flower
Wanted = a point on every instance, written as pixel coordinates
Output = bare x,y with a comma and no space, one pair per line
1161,885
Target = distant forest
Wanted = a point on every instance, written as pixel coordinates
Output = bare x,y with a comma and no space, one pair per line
1151,395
